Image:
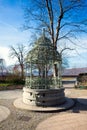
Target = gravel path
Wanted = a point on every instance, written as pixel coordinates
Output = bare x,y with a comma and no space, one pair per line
26,120
20,119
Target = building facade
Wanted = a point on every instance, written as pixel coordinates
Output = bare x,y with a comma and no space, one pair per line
69,76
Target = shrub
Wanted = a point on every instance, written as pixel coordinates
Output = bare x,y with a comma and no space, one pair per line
13,79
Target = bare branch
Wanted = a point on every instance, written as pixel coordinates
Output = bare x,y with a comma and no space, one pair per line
66,48
19,53
59,21
51,17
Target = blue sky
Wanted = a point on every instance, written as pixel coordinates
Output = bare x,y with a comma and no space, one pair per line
12,19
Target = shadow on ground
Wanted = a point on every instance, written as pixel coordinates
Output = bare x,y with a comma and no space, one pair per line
79,107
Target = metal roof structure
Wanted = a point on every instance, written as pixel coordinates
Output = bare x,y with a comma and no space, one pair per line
43,52
41,59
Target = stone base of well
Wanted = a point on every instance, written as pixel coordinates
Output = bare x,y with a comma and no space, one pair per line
43,97
18,103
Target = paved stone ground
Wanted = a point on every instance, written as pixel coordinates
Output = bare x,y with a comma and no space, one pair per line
76,118
74,93
82,100
26,120
4,113
10,94
68,121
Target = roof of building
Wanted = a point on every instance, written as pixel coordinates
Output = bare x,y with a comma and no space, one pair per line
74,71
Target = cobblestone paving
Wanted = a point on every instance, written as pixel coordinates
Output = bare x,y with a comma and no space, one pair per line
26,120
68,121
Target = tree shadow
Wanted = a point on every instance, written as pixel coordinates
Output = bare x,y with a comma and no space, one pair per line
80,105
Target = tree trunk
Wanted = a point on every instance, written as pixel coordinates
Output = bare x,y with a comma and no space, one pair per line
55,70
22,71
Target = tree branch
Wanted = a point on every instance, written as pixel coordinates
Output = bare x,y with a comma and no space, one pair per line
59,21
51,18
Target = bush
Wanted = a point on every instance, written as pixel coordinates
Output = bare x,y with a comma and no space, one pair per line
4,84
18,82
83,87
13,79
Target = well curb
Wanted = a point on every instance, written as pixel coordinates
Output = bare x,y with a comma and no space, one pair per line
18,103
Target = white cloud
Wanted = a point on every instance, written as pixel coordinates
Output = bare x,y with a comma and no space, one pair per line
4,53
11,17
11,35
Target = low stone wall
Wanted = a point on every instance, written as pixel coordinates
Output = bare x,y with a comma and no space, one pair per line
43,97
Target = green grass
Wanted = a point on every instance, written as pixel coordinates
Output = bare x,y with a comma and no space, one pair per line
83,87
5,84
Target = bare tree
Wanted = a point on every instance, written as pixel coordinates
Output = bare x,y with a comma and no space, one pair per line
3,69
61,19
19,53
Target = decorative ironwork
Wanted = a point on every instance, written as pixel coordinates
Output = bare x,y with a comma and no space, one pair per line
40,61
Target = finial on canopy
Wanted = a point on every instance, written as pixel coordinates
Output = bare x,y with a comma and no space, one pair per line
43,32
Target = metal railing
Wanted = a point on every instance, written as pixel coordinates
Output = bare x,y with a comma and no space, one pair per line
43,83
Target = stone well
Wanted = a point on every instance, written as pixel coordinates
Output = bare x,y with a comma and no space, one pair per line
43,89
43,97
43,85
